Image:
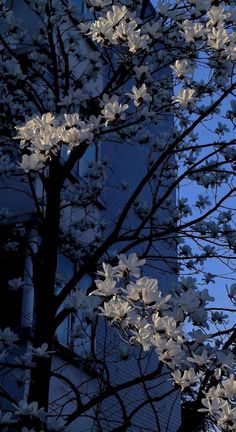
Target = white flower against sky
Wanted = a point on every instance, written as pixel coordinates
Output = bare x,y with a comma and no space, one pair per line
181,68
189,300
192,30
216,15
148,289
218,38
137,41
72,119
199,359
172,354
140,95
185,97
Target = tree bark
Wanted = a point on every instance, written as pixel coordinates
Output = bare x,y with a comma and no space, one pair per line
44,274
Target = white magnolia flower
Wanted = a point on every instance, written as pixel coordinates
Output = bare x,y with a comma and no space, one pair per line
72,119
118,26
229,386
172,354
108,271
137,41
129,265
218,38
7,337
189,300
216,15
15,284
42,351
113,110
106,288
132,291
33,162
199,360
116,309
143,335
31,409
185,97
181,68
192,31
188,378
227,417
212,405
100,3
140,95
77,299
166,324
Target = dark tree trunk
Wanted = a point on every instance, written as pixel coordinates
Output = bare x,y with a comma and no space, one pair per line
44,274
192,419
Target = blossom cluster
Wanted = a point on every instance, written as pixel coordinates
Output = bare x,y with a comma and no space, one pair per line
41,138
154,320
119,26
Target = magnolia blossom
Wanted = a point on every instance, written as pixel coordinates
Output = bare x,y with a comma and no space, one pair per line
199,360
118,26
33,162
113,110
100,3
31,409
116,309
218,38
185,97
15,284
76,299
43,136
106,288
181,68
216,15
42,351
130,265
193,31
140,95
188,378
